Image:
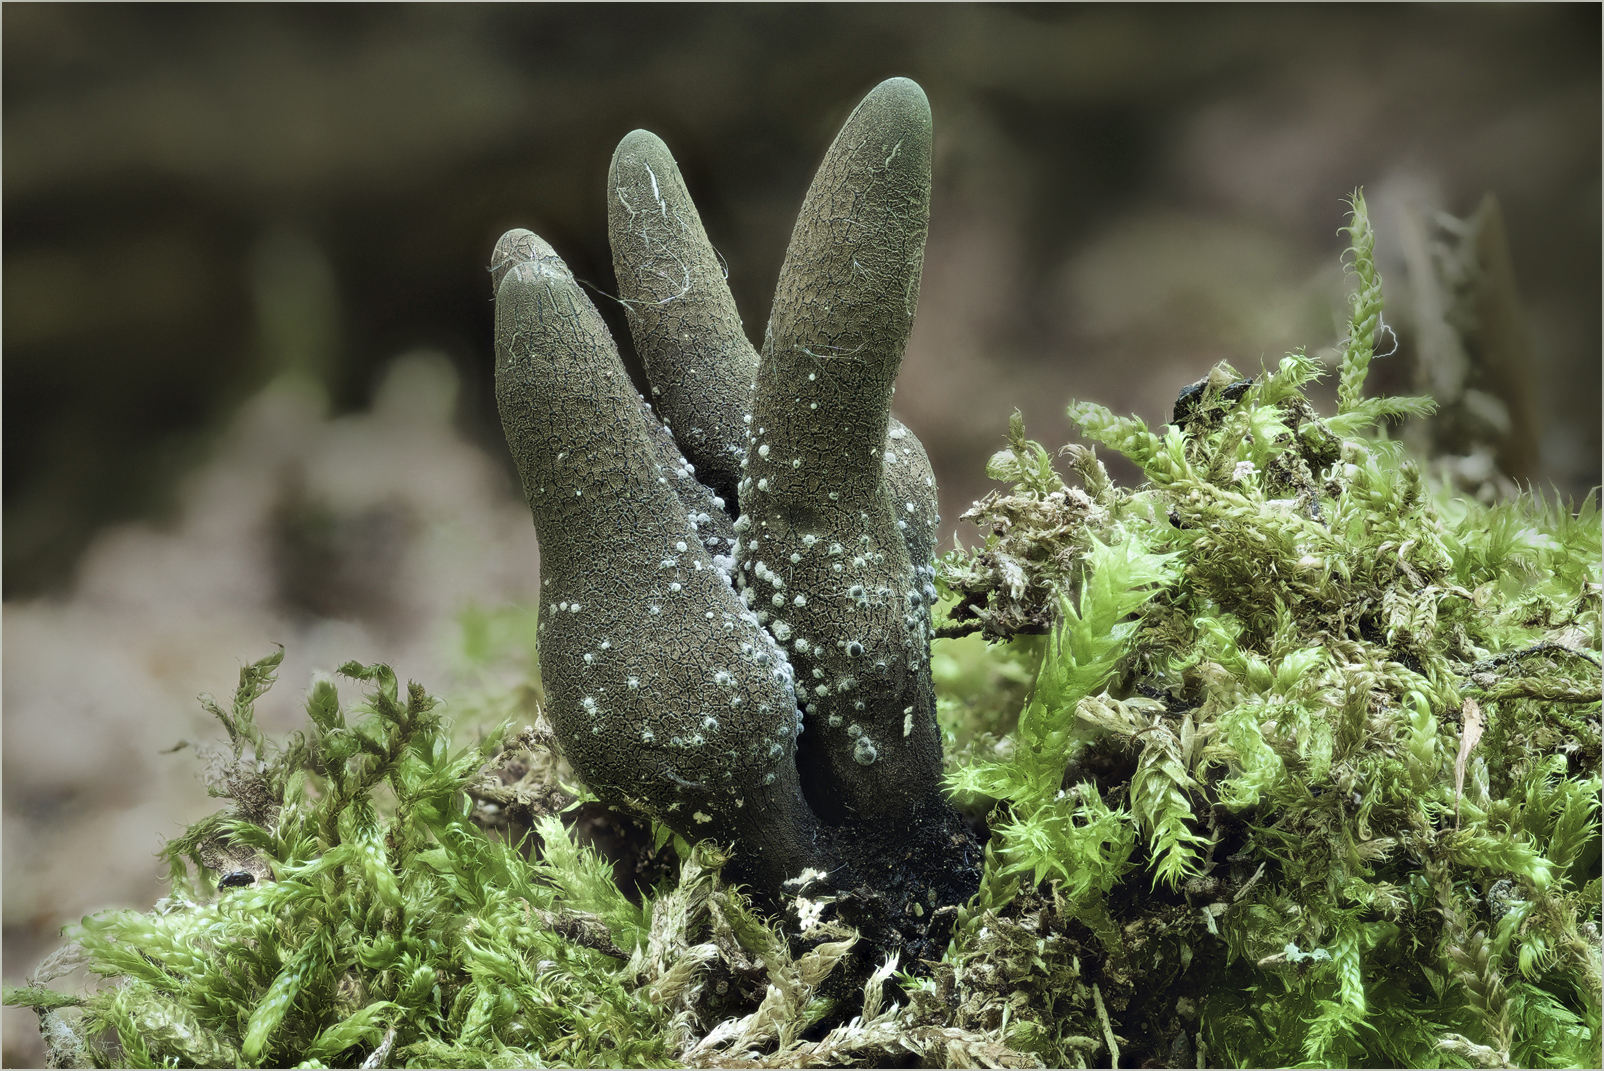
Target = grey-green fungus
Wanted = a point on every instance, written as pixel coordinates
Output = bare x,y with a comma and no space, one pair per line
687,525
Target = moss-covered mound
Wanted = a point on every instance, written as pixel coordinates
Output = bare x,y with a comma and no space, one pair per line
1310,774
1288,760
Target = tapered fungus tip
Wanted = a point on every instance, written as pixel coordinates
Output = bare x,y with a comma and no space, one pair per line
897,105
523,285
895,118
643,173
641,143
515,247
902,93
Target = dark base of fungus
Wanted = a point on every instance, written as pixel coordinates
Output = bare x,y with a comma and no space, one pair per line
912,880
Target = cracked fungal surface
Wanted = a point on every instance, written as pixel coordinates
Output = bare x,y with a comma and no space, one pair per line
735,610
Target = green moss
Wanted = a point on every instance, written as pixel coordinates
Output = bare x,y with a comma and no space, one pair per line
1246,811
382,917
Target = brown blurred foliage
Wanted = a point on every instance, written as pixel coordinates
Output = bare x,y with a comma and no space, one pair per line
198,196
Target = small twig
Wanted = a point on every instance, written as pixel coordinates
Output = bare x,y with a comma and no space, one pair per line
1243,891
1470,711
381,1053
1108,1027
1536,648
582,929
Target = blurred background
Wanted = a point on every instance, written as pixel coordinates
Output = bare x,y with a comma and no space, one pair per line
247,394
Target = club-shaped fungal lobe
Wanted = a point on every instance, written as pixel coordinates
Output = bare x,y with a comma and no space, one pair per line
663,688
682,317
737,576
818,515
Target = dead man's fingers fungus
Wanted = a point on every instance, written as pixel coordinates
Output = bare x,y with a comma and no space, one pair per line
682,317
765,682
816,508
662,687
